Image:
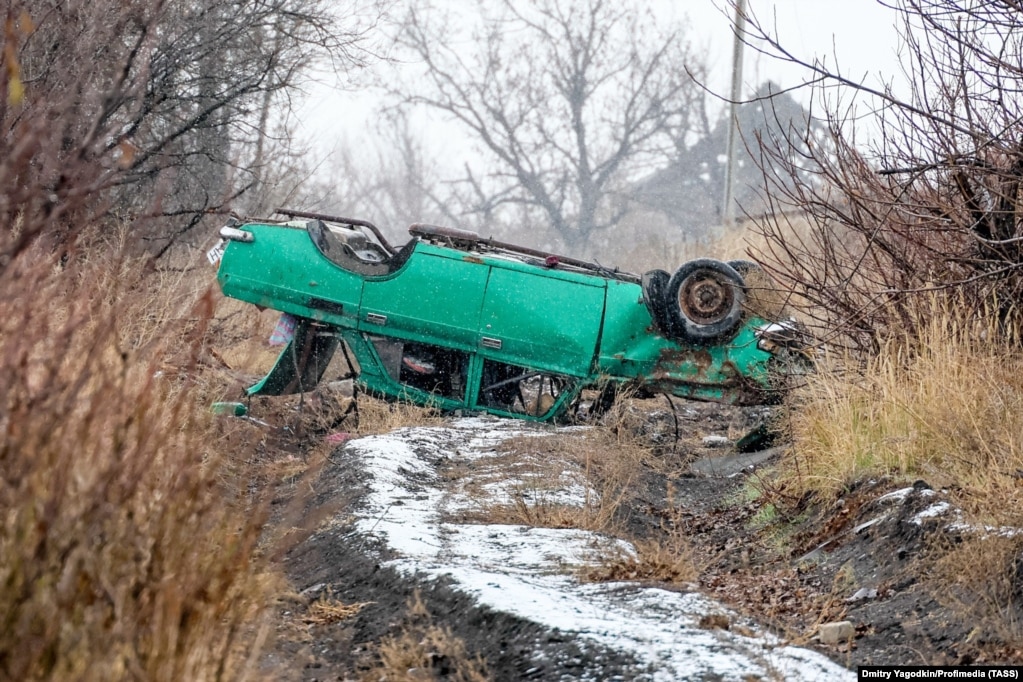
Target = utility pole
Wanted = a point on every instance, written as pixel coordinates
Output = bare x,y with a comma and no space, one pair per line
728,209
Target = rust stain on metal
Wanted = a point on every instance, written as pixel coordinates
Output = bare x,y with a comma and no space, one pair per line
473,259
743,389
735,387
698,356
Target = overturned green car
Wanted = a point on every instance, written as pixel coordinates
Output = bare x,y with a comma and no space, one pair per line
460,322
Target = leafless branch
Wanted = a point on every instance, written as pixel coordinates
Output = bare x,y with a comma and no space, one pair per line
567,96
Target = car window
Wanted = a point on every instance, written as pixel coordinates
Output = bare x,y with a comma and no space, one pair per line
519,390
428,368
349,248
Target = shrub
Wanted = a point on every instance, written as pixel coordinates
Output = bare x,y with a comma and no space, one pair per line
127,541
944,403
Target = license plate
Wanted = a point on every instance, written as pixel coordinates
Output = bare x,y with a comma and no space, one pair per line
217,252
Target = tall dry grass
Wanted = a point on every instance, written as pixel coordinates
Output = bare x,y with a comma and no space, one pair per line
380,416
944,404
128,540
981,579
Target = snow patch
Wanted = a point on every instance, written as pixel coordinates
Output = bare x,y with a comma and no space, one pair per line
530,572
936,509
901,494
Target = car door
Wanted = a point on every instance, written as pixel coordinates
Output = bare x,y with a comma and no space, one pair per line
544,319
434,298
280,268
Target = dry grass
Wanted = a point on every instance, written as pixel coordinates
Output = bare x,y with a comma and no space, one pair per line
424,651
602,462
607,462
532,511
242,332
546,473
947,406
665,557
128,541
379,416
327,610
940,399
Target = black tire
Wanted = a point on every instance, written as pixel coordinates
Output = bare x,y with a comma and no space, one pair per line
705,301
745,267
655,287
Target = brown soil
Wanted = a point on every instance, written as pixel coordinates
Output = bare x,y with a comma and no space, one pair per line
790,572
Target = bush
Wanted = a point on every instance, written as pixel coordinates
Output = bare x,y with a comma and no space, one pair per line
931,202
127,542
945,403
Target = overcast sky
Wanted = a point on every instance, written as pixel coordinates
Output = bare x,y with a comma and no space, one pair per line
860,34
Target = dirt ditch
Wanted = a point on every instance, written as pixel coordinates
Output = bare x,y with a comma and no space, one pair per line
863,559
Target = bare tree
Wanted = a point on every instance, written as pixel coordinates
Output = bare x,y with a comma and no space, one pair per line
932,206
390,178
158,104
227,67
569,99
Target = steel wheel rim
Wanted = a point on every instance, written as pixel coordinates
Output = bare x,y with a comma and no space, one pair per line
706,297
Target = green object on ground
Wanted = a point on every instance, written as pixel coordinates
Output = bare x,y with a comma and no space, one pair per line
236,409
456,321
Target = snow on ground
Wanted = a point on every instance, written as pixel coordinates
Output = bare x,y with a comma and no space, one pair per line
530,572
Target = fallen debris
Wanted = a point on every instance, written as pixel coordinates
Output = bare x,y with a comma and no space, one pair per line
836,633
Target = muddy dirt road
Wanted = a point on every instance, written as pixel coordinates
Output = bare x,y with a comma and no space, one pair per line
422,542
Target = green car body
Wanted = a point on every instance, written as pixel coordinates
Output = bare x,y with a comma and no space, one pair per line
462,323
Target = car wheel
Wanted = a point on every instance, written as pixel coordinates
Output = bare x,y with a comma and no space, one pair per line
704,300
745,267
655,286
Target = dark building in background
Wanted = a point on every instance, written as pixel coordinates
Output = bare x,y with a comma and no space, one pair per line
690,191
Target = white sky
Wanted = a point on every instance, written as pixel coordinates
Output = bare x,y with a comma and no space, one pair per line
862,33
859,35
